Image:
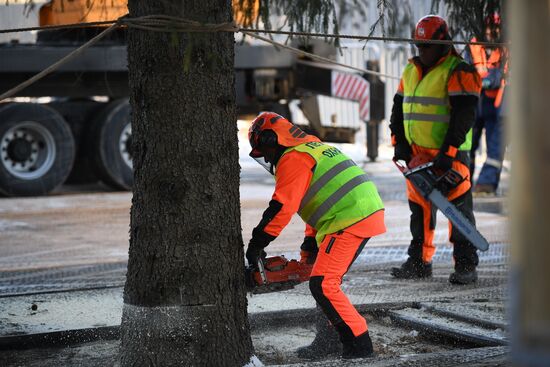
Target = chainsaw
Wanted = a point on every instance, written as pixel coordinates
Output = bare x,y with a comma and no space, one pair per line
275,274
432,186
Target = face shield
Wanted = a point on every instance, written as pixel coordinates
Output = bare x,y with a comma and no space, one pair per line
265,164
259,154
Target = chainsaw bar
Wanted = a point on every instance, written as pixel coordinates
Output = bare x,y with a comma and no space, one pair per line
425,181
459,220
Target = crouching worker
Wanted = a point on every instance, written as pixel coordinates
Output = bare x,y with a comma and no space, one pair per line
342,209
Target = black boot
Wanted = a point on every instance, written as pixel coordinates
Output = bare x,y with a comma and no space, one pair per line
413,268
326,341
466,261
354,346
362,348
463,275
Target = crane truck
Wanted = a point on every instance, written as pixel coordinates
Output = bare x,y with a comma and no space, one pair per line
74,124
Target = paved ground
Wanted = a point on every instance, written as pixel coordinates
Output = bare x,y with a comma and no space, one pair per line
63,261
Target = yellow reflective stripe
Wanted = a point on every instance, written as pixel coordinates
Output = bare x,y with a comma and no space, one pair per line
464,93
427,117
335,197
322,181
426,100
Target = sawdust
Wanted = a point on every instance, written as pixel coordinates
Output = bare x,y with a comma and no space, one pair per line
279,345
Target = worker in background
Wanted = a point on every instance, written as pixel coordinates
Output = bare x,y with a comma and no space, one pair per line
432,117
490,63
342,209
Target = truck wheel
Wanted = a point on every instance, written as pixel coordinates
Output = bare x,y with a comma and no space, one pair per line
36,149
112,141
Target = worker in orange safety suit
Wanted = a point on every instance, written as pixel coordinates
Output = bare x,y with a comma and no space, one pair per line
342,209
432,118
492,66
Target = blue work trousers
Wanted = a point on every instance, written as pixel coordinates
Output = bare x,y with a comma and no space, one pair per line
488,118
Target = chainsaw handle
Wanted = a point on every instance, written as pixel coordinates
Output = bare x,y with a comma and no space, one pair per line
400,164
404,168
449,180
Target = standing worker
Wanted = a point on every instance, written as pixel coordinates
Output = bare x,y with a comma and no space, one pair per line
340,205
490,63
432,117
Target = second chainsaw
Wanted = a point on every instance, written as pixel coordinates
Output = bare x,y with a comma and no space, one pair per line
433,187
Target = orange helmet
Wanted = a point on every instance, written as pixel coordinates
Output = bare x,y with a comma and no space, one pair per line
431,27
270,129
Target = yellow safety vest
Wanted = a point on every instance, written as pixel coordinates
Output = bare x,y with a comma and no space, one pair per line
426,107
339,195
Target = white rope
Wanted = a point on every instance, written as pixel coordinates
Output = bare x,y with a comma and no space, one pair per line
167,24
317,57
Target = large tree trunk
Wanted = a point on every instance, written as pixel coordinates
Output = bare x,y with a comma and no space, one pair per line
184,300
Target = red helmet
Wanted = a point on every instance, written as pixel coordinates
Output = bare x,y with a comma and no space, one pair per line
492,19
269,129
431,27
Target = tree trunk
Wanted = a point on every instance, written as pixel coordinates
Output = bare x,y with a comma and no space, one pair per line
184,299
530,178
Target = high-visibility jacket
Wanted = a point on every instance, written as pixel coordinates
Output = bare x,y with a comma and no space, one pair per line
426,107
484,64
339,194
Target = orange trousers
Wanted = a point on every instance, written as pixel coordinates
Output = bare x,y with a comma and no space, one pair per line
336,254
423,214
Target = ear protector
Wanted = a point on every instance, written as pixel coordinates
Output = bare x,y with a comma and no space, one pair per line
268,139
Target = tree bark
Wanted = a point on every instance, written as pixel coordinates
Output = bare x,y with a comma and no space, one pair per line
529,131
184,299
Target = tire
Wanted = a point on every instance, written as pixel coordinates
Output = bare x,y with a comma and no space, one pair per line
79,114
111,145
37,149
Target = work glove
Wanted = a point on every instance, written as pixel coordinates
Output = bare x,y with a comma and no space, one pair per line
308,250
402,152
443,162
253,254
256,246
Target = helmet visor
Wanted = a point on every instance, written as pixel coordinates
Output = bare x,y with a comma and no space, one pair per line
267,165
255,153
253,140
